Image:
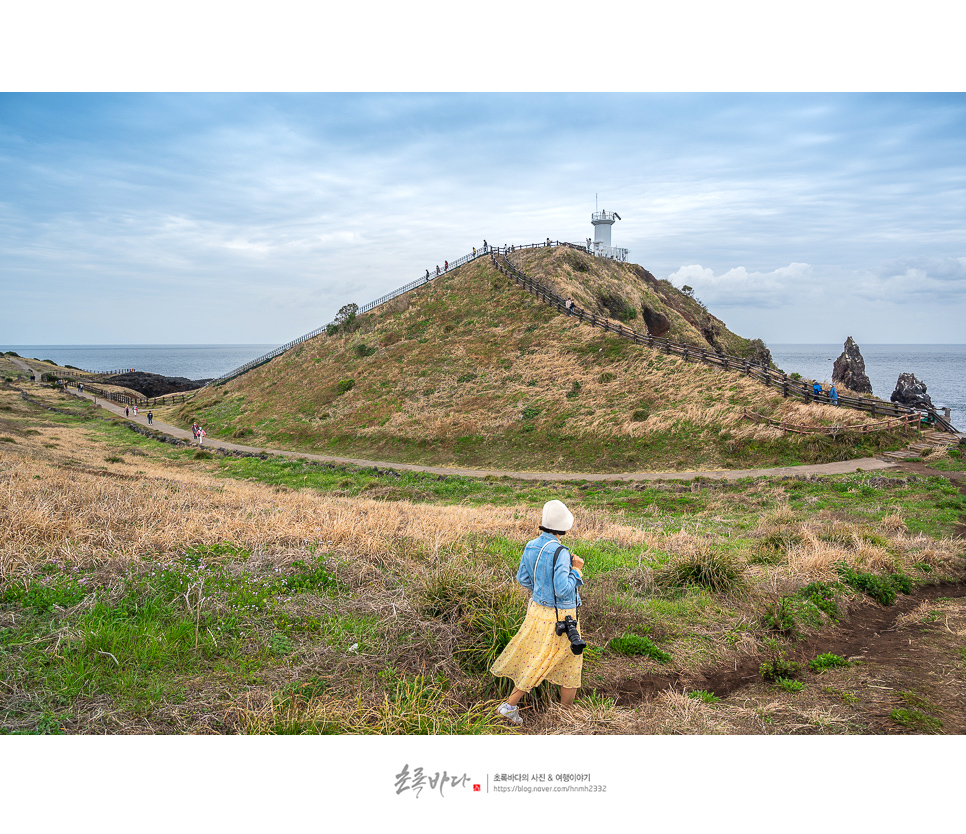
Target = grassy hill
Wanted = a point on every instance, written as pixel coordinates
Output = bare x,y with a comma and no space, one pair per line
473,371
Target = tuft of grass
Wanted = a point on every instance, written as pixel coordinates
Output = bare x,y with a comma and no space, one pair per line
704,695
704,566
636,645
827,661
789,685
915,720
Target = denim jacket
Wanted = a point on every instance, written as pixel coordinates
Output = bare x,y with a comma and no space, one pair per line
535,573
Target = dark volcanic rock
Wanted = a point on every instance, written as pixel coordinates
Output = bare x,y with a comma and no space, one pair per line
910,391
155,385
657,323
849,369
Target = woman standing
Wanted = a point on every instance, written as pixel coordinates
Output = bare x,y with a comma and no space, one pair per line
536,653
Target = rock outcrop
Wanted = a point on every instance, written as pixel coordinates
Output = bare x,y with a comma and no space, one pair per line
657,323
849,369
155,385
910,391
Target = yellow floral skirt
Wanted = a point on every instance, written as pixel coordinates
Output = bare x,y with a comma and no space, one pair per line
536,653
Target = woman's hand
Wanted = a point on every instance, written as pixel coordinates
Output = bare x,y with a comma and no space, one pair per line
576,561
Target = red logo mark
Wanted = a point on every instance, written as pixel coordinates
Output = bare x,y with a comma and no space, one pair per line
476,787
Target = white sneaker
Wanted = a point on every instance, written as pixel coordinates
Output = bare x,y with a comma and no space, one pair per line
510,713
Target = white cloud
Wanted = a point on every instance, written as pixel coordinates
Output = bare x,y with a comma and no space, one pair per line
740,288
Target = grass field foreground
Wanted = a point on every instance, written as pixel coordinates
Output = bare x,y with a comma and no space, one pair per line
149,588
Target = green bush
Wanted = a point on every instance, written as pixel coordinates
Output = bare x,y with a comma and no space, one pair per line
634,645
827,661
704,695
883,589
772,670
789,685
344,386
822,596
362,350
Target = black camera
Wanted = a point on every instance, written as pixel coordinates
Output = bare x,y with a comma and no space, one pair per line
569,625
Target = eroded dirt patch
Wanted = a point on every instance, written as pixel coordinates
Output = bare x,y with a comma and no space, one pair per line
907,674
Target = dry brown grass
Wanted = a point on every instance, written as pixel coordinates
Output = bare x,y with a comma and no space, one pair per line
80,514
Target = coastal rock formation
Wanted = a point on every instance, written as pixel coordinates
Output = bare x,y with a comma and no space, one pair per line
849,369
657,323
910,391
155,385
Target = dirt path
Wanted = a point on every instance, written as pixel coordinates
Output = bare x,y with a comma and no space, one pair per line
907,673
837,468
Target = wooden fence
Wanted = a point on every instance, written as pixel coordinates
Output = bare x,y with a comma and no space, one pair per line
125,399
907,422
789,386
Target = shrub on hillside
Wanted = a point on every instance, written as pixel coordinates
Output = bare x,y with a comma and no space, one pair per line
705,567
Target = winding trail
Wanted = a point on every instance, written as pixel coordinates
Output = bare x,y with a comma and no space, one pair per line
837,468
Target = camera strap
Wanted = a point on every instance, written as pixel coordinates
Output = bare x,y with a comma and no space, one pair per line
553,584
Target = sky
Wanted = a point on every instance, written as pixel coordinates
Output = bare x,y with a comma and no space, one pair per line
250,216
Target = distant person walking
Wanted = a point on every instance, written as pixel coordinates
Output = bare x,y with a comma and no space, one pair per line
150,418
194,430
437,270
427,275
445,266
127,411
833,396
570,306
817,390
201,436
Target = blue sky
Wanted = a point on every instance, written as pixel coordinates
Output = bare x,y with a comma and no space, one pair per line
251,218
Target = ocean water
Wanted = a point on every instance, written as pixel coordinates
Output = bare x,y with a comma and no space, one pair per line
189,361
941,367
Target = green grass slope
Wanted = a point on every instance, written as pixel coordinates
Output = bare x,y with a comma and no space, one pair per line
473,371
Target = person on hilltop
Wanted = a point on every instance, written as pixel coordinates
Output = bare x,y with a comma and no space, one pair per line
445,266
537,652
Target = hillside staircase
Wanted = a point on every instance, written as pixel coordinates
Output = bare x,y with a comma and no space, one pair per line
929,441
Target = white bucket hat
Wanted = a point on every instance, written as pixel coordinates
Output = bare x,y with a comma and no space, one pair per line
557,517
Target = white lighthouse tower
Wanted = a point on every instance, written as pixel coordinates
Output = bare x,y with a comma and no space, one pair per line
601,247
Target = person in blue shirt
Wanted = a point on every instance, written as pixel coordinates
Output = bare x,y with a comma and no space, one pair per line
536,652
833,396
